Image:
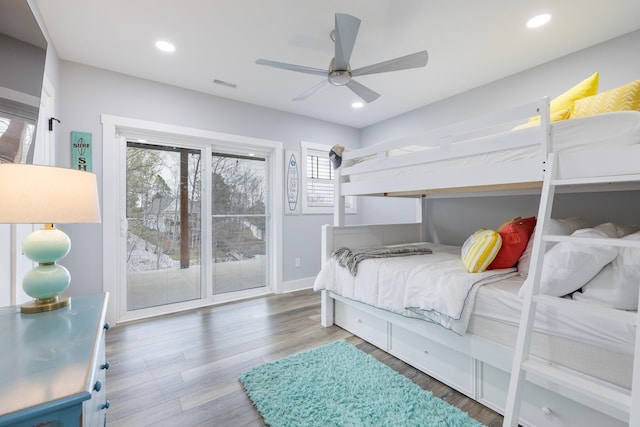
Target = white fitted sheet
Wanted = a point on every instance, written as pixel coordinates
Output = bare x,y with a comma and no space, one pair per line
500,302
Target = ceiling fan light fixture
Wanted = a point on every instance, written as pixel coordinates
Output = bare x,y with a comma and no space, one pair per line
357,104
538,20
339,77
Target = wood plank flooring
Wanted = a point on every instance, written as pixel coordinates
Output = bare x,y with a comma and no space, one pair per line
182,369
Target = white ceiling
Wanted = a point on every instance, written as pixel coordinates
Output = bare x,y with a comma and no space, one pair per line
470,43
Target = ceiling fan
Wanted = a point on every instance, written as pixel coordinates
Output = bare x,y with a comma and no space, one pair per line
340,73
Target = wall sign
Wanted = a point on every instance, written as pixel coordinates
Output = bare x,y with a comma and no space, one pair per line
81,151
292,182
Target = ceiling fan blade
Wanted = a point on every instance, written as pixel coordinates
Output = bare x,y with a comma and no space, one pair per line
366,94
346,31
317,88
415,60
292,67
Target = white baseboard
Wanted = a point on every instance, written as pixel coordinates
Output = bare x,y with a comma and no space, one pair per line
296,285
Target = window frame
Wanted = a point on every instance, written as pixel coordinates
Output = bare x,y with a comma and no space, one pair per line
115,132
307,148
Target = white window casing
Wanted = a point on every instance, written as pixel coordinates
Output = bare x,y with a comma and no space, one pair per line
317,180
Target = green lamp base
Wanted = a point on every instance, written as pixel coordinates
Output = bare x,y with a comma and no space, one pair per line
47,304
45,281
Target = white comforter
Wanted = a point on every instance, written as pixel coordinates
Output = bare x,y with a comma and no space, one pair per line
434,287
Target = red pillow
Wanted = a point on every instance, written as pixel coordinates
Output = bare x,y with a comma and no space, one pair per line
515,236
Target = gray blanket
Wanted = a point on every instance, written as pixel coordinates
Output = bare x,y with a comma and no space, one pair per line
350,258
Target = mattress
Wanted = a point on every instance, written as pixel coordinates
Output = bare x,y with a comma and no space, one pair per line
608,129
594,346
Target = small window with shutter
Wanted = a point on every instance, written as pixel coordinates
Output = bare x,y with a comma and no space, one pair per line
318,180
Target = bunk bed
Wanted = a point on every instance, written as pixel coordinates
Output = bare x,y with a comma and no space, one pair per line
471,346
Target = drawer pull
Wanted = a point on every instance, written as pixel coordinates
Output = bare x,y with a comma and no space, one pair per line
546,410
426,351
105,366
359,320
97,386
106,326
106,405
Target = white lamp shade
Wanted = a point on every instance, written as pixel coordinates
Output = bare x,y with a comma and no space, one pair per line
34,194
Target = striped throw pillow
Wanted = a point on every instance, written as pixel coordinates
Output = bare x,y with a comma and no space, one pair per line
625,97
480,249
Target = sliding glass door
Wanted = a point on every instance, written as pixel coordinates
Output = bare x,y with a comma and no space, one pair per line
164,196
172,255
238,222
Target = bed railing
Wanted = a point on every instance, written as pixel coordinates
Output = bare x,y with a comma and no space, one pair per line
480,130
485,134
369,236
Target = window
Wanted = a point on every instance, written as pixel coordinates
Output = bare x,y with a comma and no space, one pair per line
318,180
17,130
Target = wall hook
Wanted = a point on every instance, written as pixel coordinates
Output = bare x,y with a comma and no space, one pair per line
51,123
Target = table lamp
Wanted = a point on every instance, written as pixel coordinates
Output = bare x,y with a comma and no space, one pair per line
33,194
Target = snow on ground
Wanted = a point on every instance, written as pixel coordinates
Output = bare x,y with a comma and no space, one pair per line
142,259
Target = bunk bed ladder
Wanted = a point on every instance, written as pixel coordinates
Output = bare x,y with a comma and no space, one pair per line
554,376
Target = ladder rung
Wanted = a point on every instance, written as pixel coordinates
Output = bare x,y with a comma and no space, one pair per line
623,243
608,394
581,308
596,180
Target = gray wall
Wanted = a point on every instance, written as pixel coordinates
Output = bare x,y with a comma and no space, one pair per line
85,93
451,221
617,62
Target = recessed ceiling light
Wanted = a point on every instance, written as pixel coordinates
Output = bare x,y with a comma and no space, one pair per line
538,21
165,46
357,104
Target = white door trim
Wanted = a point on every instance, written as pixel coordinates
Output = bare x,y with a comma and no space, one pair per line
114,224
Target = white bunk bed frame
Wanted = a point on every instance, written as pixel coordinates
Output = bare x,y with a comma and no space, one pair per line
479,368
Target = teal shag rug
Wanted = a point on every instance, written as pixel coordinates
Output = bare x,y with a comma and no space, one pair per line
338,385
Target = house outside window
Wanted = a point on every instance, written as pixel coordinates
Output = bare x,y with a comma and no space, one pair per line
318,180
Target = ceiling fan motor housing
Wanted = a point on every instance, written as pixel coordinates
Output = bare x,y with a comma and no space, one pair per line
338,77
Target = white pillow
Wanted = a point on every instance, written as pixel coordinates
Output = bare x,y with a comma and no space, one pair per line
569,266
563,227
618,283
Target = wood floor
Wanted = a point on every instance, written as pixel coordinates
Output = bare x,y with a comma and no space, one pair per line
182,370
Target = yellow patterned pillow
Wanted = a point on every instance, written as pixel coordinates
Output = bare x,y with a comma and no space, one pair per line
480,249
587,87
561,106
625,97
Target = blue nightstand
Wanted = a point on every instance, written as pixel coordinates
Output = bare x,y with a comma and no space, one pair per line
52,365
